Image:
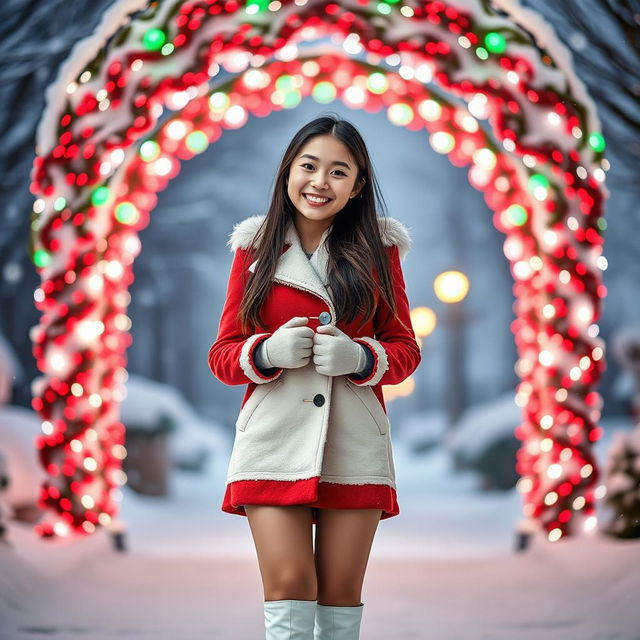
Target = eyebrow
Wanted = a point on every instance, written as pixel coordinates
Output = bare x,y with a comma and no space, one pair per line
343,164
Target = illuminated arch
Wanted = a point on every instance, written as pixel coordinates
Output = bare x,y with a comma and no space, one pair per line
103,154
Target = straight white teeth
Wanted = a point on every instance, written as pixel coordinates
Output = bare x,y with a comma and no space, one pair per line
317,200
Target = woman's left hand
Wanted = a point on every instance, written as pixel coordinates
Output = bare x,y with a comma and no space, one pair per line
335,353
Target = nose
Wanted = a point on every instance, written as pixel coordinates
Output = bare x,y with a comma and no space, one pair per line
319,181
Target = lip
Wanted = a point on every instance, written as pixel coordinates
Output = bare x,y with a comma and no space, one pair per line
314,204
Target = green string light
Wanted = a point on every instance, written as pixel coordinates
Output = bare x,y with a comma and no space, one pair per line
516,214
196,141
495,42
537,181
59,203
291,99
41,258
100,196
256,6
324,92
482,53
153,39
127,213
383,8
285,83
596,142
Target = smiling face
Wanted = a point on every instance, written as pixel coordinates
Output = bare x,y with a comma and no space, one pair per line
324,168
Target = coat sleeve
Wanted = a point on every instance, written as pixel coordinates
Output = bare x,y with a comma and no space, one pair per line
231,355
395,349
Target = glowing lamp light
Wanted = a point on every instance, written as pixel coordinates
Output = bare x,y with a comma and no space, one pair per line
324,92
442,142
354,95
127,213
255,79
377,82
451,286
88,330
59,203
400,114
596,142
478,177
197,141
513,248
236,116
153,39
495,42
423,321
479,106
114,269
219,101
484,158
58,361
162,166
430,110
177,129
41,258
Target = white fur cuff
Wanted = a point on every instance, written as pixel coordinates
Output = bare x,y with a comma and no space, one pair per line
247,364
381,364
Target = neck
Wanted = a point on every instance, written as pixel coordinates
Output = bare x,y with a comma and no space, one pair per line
310,231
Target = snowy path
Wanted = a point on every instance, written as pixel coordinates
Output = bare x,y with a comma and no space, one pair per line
579,589
443,570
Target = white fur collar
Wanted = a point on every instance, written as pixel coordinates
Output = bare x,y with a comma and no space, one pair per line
393,233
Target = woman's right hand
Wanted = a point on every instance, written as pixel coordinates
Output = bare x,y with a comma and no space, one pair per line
291,345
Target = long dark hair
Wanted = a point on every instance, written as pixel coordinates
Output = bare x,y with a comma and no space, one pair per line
354,244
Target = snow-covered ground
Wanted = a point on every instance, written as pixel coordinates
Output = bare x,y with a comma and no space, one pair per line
443,569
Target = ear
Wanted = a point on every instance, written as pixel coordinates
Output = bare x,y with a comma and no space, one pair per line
357,190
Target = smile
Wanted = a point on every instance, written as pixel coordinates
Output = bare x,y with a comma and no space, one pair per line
315,199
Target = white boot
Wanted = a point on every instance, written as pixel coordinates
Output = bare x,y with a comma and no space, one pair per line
289,619
337,623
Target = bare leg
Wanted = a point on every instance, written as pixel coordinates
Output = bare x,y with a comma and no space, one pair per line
284,544
342,546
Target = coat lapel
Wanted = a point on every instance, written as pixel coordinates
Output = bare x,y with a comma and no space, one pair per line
295,269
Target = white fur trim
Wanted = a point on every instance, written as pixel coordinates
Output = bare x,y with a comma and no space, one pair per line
383,361
247,365
392,231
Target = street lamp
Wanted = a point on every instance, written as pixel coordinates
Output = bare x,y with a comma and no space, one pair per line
451,287
423,321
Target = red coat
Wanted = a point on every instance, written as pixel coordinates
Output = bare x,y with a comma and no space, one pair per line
303,437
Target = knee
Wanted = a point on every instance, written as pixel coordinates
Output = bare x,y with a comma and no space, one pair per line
292,583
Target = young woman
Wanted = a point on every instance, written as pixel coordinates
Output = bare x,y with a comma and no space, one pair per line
316,320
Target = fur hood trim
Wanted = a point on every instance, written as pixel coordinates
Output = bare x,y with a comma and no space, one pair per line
393,232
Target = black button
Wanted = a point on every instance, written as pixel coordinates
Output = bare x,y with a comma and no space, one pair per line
324,317
318,399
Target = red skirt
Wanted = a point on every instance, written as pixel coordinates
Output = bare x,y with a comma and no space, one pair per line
310,493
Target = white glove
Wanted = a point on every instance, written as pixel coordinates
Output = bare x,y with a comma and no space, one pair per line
290,346
335,353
